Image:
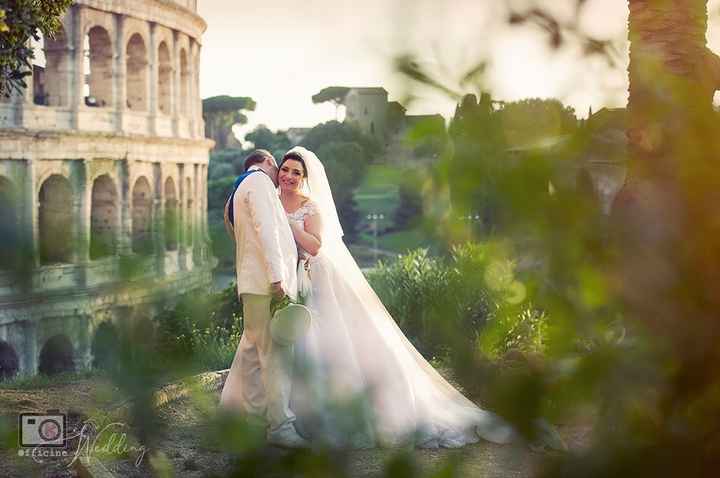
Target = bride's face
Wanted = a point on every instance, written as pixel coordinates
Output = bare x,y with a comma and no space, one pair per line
291,175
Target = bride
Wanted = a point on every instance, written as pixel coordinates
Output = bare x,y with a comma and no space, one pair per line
358,381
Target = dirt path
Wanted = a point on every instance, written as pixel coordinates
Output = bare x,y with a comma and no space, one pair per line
184,441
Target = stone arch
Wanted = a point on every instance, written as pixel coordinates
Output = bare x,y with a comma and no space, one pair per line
55,218
105,345
171,216
54,85
165,70
103,217
189,222
56,356
137,73
142,217
185,80
9,224
9,363
98,50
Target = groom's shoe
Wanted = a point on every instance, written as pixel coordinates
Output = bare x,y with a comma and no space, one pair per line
287,437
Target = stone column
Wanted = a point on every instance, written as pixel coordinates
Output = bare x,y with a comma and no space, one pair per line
192,90
176,90
82,193
199,123
154,75
196,240
77,100
30,214
120,72
125,196
182,218
28,94
158,223
28,350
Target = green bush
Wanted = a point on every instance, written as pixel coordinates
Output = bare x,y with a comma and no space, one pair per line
201,332
469,299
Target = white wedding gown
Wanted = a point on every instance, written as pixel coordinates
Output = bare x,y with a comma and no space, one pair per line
359,382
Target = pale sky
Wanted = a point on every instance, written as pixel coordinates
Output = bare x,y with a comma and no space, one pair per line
281,52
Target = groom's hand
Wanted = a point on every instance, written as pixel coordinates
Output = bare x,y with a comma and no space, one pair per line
277,290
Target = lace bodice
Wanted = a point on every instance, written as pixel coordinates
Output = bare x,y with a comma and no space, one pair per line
307,209
298,217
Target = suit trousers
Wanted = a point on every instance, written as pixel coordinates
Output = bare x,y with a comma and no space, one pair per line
264,371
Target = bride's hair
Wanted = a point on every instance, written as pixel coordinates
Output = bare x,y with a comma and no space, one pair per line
295,157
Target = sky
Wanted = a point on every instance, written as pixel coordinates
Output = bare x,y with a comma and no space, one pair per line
281,52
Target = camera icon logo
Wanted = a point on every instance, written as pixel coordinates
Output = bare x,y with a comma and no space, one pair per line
44,430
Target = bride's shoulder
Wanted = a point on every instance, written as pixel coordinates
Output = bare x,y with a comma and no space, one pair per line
310,207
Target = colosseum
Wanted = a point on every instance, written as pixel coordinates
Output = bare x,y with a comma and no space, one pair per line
103,166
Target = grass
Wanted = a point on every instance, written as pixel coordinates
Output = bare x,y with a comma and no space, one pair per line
378,194
26,382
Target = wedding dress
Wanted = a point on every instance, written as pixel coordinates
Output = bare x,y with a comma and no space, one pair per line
358,381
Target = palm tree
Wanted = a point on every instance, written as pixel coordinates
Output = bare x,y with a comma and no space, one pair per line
673,76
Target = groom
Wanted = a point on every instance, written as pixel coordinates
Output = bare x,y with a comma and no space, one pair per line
259,380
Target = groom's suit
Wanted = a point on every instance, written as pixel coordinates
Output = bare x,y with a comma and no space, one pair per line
259,381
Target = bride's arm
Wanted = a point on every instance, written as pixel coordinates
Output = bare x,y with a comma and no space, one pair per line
309,239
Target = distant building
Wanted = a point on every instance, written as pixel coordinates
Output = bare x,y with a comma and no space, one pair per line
367,108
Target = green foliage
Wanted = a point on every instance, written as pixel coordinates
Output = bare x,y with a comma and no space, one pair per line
221,113
201,333
501,148
336,132
228,104
335,94
345,152
433,299
21,21
276,142
410,207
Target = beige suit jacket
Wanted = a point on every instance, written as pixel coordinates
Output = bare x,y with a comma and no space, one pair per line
265,250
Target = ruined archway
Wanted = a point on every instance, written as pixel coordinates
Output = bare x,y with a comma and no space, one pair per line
105,346
164,79
56,356
9,226
103,218
56,221
142,217
137,74
9,363
98,68
171,216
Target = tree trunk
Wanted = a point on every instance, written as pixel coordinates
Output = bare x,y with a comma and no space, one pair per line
666,217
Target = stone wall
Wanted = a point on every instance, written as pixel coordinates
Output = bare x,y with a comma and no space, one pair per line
103,181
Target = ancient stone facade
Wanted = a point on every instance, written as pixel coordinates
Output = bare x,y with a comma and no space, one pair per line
103,163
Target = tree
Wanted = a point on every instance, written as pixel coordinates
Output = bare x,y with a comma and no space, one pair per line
21,21
345,164
221,113
334,94
532,121
336,132
263,138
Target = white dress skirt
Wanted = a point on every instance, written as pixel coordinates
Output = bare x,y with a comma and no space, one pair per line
358,382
